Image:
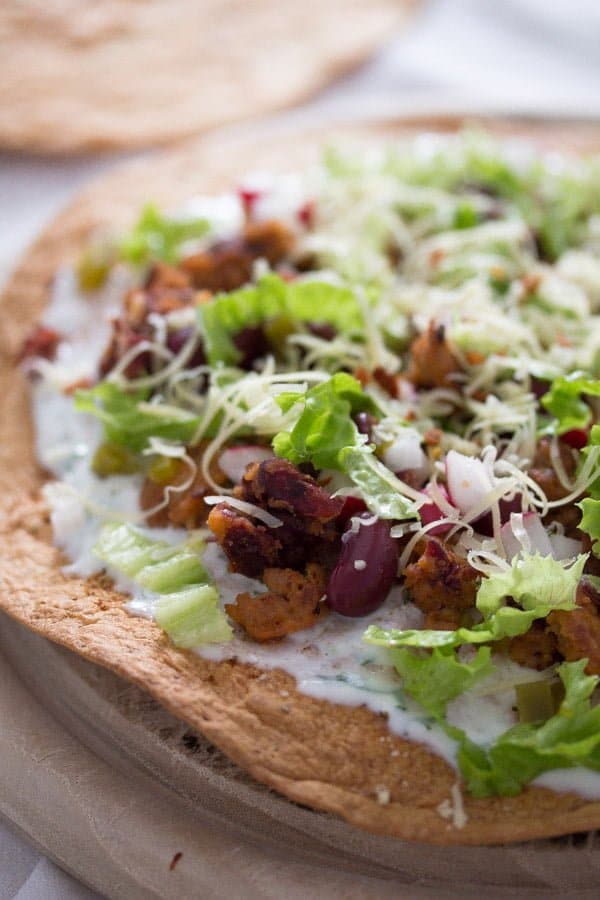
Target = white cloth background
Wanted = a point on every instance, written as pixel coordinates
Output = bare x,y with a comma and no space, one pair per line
513,55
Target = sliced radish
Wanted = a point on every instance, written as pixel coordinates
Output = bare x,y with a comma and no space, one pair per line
431,512
405,454
525,531
564,547
234,460
468,481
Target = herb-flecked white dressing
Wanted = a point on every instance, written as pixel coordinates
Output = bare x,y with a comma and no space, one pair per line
328,661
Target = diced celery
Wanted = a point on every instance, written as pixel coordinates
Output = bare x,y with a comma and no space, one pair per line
192,617
127,550
180,570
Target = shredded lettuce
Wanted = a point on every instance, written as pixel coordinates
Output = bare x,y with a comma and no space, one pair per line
538,584
326,436
187,608
128,424
564,401
379,488
270,298
324,427
156,237
433,679
590,521
569,738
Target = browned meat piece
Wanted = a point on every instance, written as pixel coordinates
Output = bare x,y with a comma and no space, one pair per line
249,546
279,485
536,649
578,631
166,290
442,584
162,276
42,341
432,363
292,603
542,470
228,265
186,508
309,530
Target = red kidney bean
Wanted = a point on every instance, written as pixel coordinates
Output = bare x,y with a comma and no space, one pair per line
355,589
352,507
252,343
484,524
178,338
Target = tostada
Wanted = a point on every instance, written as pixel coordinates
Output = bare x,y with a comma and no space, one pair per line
322,470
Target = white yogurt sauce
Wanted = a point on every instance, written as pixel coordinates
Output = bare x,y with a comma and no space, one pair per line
330,660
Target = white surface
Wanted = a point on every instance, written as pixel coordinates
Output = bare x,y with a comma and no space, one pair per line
517,55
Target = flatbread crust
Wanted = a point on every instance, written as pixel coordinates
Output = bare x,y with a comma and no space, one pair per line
335,758
119,73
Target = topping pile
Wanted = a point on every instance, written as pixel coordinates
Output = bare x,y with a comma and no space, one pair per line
382,374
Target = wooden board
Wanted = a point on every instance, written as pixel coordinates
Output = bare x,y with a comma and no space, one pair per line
126,786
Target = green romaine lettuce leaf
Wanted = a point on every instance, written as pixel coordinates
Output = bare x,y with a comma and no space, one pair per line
433,679
564,401
380,489
569,738
590,521
271,297
539,584
325,426
326,436
156,237
130,425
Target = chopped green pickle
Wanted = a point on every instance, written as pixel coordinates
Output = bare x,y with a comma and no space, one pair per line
192,617
278,330
94,265
537,701
114,459
163,469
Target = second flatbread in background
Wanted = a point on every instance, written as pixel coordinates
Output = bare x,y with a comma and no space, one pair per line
77,76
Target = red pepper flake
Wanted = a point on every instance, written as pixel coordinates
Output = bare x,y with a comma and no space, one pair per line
175,860
306,214
249,199
576,438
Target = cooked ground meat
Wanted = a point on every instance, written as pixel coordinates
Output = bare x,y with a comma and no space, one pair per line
578,631
228,264
248,545
166,290
536,649
292,603
279,485
442,584
432,363
542,471
309,531
184,508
